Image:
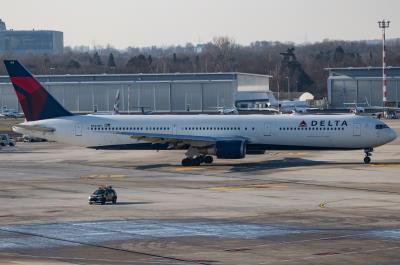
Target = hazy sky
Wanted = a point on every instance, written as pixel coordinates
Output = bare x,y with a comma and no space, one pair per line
123,23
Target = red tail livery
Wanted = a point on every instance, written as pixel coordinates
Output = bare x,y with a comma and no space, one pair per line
35,101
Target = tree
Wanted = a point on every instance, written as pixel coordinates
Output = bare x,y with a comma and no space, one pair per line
220,55
111,61
73,64
224,53
339,54
138,64
96,59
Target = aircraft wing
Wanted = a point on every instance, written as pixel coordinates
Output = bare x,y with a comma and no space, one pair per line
192,140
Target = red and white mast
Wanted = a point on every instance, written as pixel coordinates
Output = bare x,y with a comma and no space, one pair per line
384,25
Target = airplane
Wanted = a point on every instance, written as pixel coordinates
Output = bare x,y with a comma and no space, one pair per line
290,106
202,136
116,103
115,107
366,109
227,110
9,113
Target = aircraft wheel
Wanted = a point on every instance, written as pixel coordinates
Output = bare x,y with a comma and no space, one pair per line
208,159
197,161
367,160
186,162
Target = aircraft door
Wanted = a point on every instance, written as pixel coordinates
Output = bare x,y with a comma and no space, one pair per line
356,129
267,129
174,128
78,129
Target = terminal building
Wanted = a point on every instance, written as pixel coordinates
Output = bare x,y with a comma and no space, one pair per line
30,41
160,93
362,86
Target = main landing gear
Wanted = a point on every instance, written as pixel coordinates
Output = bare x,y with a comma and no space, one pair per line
368,154
197,161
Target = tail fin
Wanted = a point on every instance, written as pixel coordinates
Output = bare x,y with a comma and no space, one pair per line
35,101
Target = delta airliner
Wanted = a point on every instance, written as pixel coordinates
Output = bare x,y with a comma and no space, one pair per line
203,136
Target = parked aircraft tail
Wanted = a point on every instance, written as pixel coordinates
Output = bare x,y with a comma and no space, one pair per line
36,102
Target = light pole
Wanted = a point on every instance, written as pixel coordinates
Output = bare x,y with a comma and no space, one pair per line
384,25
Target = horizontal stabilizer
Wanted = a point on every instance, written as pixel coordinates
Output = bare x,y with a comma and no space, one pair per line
35,128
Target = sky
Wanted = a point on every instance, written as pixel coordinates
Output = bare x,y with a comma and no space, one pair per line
139,23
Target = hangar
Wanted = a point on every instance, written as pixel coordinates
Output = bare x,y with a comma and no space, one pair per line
161,93
363,86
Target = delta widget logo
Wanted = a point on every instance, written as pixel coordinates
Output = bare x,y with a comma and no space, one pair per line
303,124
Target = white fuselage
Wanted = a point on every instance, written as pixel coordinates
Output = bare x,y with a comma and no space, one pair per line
260,131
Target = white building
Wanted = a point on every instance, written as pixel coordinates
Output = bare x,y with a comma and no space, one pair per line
163,93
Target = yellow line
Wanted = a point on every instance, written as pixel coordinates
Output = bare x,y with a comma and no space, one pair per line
188,168
255,186
296,153
102,176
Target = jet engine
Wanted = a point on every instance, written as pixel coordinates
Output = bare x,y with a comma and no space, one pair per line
233,149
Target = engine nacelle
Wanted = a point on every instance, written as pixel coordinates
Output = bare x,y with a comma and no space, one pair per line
233,149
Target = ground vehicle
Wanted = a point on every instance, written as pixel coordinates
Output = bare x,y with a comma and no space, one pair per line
5,139
103,195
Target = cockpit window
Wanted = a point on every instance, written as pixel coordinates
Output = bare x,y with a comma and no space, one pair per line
381,126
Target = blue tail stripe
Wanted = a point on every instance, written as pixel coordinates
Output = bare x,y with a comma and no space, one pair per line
14,68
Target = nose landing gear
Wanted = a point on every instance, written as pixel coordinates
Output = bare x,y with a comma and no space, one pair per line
368,154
